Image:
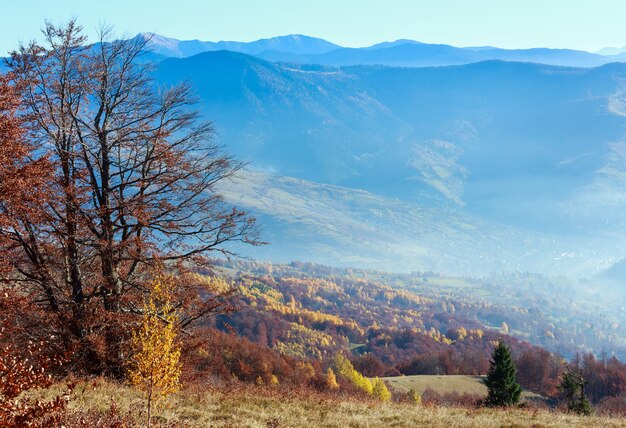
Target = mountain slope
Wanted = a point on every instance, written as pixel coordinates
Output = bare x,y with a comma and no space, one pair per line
347,227
532,147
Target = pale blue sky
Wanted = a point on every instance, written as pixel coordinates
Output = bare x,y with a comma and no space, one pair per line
578,24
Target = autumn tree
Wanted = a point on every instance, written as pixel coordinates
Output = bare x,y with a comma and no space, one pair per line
23,177
539,371
331,379
379,390
132,180
344,368
155,362
501,380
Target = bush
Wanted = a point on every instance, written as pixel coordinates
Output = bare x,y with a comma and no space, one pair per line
20,371
613,406
415,396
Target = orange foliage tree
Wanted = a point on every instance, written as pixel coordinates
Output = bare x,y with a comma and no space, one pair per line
24,178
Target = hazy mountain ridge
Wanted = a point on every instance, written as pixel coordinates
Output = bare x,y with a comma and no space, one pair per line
301,49
428,55
294,43
535,148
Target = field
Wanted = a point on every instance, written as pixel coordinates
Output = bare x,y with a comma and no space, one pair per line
443,384
251,409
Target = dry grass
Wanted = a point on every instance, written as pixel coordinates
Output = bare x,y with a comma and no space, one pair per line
210,409
443,384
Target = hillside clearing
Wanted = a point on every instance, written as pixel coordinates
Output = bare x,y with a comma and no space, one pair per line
444,384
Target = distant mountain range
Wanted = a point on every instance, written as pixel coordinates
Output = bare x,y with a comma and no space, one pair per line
293,44
302,49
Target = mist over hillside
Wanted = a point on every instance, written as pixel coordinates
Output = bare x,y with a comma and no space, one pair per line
502,165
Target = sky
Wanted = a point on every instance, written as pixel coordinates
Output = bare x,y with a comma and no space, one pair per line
576,24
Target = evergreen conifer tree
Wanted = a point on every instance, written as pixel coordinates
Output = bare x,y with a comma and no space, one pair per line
573,387
501,381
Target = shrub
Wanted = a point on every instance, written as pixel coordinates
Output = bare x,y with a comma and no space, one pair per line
415,396
21,371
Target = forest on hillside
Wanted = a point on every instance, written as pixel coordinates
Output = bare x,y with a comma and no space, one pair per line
310,311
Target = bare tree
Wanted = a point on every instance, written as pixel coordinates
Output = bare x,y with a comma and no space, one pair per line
134,180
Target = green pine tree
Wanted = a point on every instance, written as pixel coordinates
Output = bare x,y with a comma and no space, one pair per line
501,381
573,387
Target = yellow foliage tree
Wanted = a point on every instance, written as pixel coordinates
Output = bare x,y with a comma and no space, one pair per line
345,368
379,390
155,364
331,379
505,328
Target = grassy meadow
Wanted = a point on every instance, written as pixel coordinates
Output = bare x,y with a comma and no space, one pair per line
441,384
447,384
251,408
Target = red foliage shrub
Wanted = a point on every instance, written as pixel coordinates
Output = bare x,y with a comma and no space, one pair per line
113,418
21,370
434,398
612,406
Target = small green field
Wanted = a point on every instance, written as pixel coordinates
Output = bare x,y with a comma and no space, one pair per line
443,384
